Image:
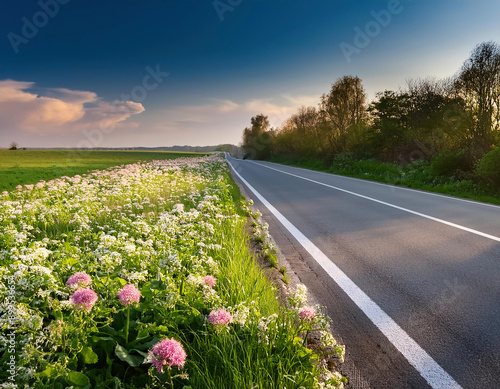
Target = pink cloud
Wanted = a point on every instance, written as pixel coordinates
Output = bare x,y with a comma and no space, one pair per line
58,110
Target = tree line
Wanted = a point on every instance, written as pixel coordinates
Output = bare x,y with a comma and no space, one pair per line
454,120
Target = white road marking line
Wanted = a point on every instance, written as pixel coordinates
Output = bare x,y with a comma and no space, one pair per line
492,237
428,368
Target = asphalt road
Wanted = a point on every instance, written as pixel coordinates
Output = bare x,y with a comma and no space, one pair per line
423,309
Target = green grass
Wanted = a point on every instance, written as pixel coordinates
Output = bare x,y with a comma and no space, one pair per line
237,359
244,280
416,175
272,259
21,167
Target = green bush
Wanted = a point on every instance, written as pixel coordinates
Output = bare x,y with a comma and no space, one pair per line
488,167
448,163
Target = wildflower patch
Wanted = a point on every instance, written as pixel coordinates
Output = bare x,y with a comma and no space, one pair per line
140,276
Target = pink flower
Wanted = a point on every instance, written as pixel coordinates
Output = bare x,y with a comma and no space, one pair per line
84,298
79,279
307,313
129,294
209,280
220,317
168,352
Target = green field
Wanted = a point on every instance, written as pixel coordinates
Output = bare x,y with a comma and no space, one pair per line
20,167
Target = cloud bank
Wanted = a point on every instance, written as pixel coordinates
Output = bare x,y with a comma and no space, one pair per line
58,111
58,117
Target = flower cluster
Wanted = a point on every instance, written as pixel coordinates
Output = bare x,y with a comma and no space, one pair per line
168,352
220,317
307,314
79,279
84,298
298,298
209,281
129,294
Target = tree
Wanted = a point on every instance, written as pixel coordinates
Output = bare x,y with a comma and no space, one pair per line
390,133
437,116
343,107
426,119
304,124
479,84
233,150
13,146
257,140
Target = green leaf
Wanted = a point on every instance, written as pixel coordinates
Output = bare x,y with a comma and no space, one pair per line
73,363
144,354
78,378
103,342
74,342
88,355
123,354
49,372
108,330
146,345
69,261
99,338
143,334
157,285
140,339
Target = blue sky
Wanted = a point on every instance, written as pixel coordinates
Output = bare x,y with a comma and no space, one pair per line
79,73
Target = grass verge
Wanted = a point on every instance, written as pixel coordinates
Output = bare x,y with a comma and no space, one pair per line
416,175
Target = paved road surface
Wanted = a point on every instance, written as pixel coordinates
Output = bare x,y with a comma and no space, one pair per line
410,279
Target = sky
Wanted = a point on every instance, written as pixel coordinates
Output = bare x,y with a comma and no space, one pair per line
130,73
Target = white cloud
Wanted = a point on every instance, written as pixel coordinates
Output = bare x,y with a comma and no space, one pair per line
305,100
227,106
58,110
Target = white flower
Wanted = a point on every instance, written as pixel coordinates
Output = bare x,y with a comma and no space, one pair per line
178,208
299,296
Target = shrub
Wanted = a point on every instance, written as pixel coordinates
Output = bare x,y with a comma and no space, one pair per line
447,163
488,167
